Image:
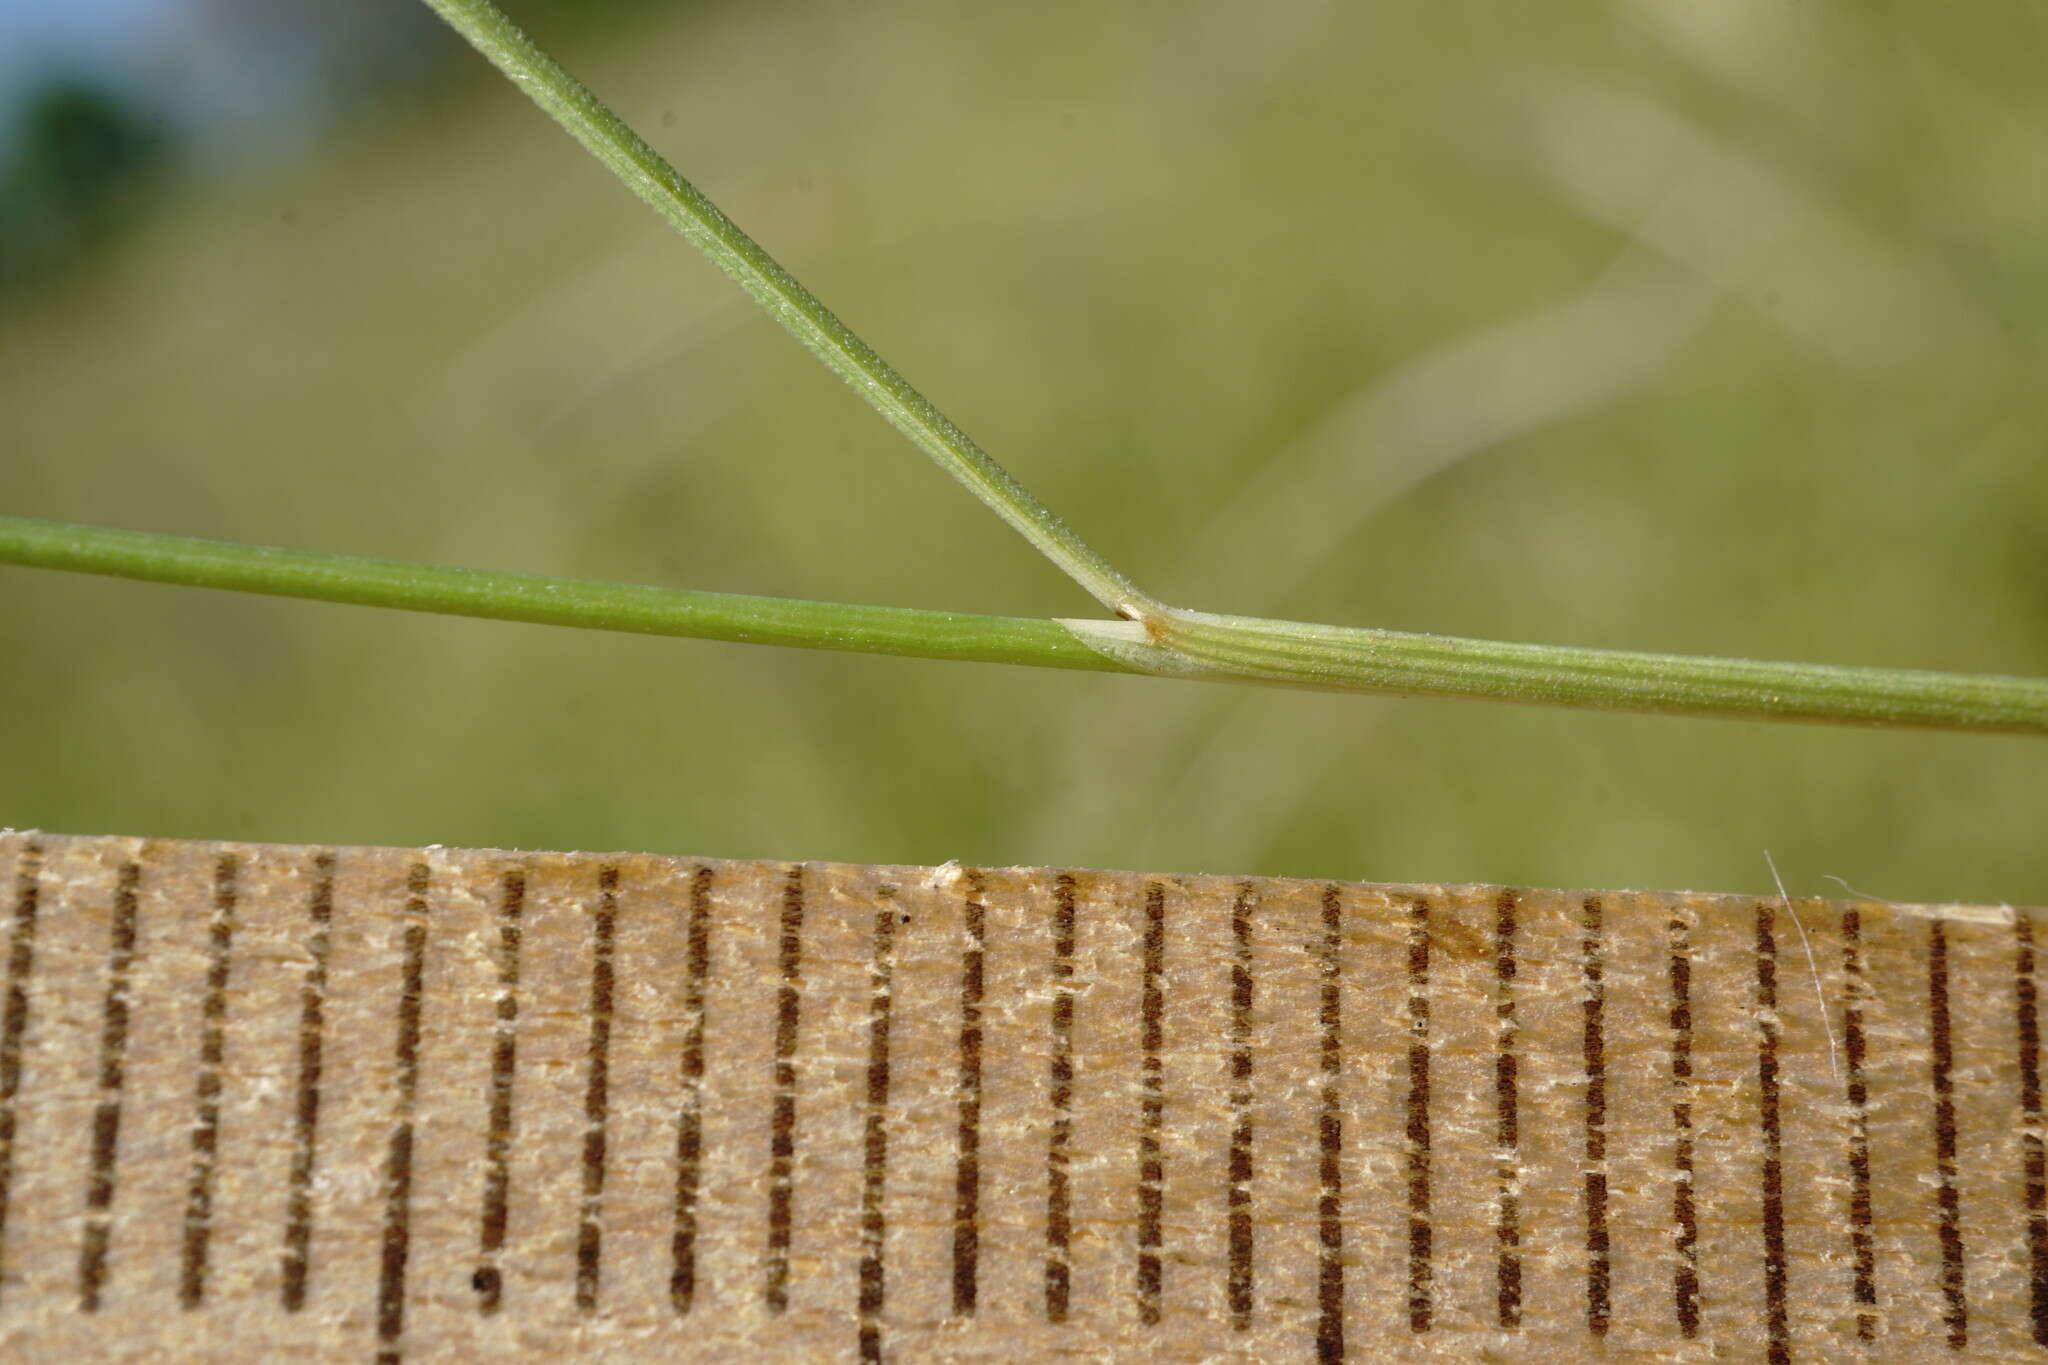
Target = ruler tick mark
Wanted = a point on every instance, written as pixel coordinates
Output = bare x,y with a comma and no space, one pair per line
2026,1008
1151,1104
1330,1140
113,1078
1421,1274
1599,1271
295,1264
1685,1275
21,961
967,1153
396,1244
782,1118
1507,1134
494,1217
597,1090
682,1284
1776,1327
1239,1196
875,1137
198,1232
1955,1301
1058,1191
1862,1242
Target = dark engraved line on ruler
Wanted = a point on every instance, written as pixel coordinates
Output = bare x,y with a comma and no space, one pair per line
1151,1104
1777,1332
113,1079
682,1281
2027,1008
397,1238
1330,1140
875,1138
1507,1124
1239,1196
21,962
1421,1274
212,1052
1955,1301
967,1153
296,1260
1599,1271
1058,1190
494,1218
597,1090
782,1119
1862,1239
1685,1274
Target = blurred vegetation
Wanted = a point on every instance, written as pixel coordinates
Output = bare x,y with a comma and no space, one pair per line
1702,328
85,163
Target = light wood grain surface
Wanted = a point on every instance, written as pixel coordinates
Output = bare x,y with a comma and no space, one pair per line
266,1102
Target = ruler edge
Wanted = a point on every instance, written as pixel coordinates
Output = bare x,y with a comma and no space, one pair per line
1998,914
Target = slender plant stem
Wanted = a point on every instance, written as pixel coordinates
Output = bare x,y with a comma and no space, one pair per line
1216,649
643,170
1352,659
542,600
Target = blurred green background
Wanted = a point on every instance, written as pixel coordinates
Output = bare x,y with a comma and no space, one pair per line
1715,328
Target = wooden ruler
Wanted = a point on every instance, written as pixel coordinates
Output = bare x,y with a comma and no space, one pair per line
263,1102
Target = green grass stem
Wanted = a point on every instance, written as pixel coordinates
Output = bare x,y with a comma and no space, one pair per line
1215,649
541,600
